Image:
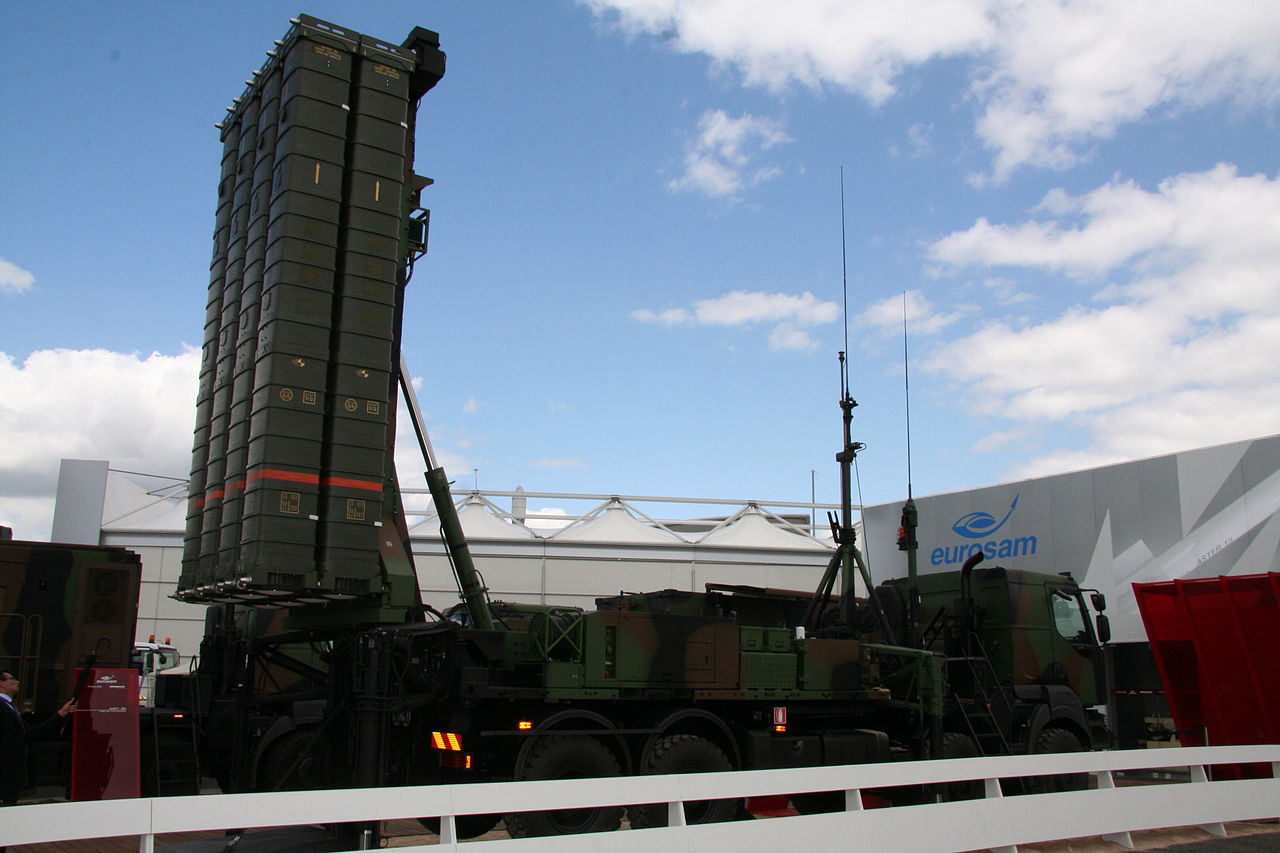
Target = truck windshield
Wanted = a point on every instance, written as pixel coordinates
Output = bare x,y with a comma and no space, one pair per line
155,660
1068,616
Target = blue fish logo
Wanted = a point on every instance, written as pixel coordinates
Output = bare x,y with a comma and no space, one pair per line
976,525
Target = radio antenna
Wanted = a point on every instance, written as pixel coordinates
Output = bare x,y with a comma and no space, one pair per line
847,560
907,540
906,386
844,276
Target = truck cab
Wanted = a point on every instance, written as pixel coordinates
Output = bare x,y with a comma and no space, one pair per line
1019,643
151,658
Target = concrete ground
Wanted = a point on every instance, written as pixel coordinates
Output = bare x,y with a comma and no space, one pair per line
1242,837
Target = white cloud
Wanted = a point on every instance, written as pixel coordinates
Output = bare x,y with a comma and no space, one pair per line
785,336
1046,76
862,46
1069,72
787,313
719,163
670,317
1005,292
919,142
1180,344
921,316
14,279
740,307
471,406
552,518
136,412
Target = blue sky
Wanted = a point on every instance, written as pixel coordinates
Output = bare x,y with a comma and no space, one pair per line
634,283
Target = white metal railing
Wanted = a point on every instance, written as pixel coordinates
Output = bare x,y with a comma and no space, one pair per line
992,822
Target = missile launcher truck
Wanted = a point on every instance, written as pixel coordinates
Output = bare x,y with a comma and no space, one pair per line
321,665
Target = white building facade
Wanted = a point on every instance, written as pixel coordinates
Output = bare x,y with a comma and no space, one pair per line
608,545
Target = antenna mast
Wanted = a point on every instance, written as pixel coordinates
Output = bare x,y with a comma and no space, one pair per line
907,540
847,559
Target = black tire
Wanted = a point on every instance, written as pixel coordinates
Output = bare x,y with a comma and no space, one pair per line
468,826
686,754
567,757
1055,740
290,764
958,745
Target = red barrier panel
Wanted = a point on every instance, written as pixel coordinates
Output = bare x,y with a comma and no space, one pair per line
104,742
1216,642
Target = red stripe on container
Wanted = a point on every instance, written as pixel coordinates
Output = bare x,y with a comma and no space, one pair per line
290,476
347,483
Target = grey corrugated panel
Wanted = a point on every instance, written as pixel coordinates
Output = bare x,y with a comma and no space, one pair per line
291,371
291,272
379,193
353,348
375,243
285,300
294,338
360,382
328,52
299,251
303,227
376,161
361,461
367,266
310,142
310,175
371,289
378,133
291,283
193,571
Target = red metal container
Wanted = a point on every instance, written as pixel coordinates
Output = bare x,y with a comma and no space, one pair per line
1216,642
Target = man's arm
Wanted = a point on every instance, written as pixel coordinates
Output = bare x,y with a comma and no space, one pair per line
52,727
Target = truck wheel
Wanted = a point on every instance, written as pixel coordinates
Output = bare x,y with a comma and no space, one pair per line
1050,740
567,757
958,745
686,754
289,764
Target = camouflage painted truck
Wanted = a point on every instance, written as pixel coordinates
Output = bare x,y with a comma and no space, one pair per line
321,666
65,608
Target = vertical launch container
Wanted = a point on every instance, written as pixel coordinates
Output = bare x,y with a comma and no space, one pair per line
317,221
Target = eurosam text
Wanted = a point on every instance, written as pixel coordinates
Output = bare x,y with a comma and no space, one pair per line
1023,546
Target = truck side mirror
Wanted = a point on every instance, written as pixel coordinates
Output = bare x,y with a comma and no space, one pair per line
1104,628
1099,601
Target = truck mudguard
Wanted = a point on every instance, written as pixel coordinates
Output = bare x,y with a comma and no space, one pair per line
576,721
1056,704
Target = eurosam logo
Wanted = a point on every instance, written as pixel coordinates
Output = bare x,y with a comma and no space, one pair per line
983,525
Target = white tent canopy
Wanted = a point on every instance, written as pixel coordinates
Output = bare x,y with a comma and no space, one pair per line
613,522
751,528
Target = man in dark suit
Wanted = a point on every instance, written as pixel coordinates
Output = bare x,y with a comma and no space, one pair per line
16,737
